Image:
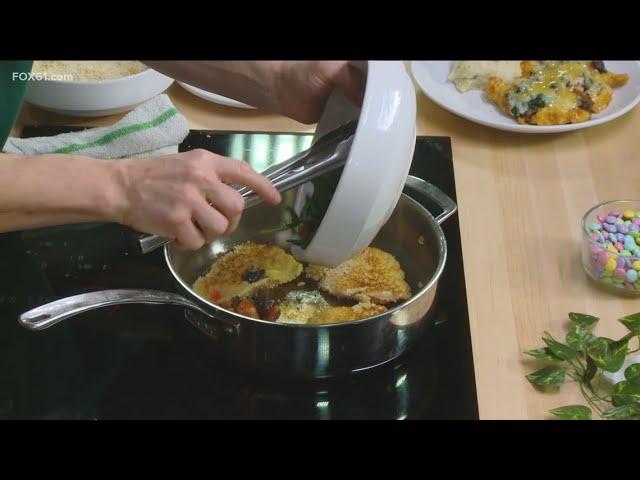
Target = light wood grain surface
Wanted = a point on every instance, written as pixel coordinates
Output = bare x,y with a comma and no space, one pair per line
521,198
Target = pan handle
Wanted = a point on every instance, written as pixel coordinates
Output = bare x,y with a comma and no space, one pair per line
49,314
418,185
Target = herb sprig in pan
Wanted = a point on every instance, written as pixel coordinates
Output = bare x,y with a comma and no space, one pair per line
312,213
582,357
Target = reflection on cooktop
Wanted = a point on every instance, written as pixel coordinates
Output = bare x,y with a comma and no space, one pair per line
138,361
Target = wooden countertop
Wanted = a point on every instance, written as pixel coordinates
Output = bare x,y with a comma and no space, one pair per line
521,198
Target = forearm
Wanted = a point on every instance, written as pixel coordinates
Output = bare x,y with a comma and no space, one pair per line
44,190
249,82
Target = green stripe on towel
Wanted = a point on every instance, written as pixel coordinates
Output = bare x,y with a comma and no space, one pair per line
136,127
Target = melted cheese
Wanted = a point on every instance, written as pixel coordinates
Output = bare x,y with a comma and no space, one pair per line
556,92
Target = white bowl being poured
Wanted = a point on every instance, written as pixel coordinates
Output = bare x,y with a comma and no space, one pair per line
376,168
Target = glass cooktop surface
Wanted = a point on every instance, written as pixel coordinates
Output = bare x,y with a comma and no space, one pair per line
148,362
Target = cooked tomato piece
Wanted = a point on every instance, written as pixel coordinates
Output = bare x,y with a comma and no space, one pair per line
304,229
228,305
215,295
248,309
273,313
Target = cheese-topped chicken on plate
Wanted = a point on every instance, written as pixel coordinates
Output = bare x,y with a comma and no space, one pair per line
555,92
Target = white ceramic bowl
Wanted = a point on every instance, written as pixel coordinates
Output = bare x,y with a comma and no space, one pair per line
376,168
97,98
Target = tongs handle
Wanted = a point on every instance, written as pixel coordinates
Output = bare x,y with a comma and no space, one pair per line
293,178
327,154
322,147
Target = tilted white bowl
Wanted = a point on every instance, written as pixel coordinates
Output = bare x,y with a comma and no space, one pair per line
376,168
97,98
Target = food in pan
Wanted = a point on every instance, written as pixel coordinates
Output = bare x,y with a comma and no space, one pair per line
555,92
265,282
311,307
372,275
474,75
245,269
346,314
304,226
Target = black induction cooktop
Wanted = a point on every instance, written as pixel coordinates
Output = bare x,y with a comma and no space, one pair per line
147,362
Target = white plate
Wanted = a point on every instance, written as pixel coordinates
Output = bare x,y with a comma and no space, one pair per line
376,168
431,76
98,98
213,97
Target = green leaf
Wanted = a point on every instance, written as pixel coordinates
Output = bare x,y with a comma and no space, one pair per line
625,393
551,376
572,412
632,373
560,350
543,354
292,216
608,354
625,411
632,322
580,338
316,205
582,319
590,371
271,231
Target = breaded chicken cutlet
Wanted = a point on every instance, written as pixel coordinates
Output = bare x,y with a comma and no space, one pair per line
370,276
312,309
242,281
245,269
346,314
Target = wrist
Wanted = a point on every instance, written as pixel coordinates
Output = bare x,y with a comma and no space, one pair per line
262,80
258,83
114,202
280,73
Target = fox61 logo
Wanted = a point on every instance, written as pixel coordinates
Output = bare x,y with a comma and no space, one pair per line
40,77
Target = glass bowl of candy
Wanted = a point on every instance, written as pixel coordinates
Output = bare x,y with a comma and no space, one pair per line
611,246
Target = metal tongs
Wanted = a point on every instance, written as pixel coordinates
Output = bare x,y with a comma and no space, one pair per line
328,153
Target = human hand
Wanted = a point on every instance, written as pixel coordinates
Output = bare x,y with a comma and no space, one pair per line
298,90
186,196
302,89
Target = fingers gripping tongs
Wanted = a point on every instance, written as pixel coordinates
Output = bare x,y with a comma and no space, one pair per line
326,154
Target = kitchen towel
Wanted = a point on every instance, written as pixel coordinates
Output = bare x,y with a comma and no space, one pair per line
153,128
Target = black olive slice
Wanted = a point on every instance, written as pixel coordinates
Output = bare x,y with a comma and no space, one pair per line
252,275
